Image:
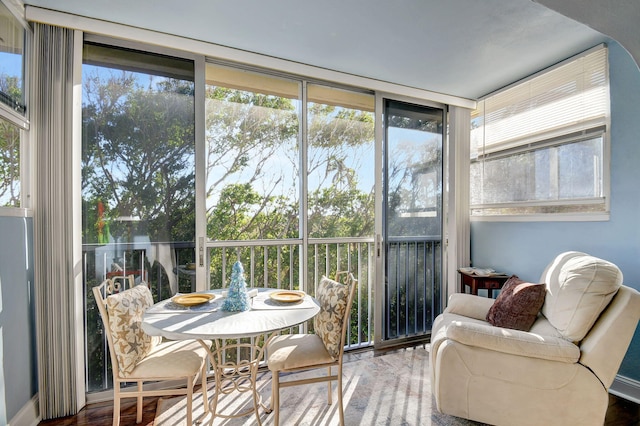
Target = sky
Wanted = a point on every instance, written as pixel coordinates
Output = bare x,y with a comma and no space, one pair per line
11,64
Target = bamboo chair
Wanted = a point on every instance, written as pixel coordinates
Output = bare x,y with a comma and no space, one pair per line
137,357
324,349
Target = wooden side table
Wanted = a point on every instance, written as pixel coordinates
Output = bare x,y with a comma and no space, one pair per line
489,283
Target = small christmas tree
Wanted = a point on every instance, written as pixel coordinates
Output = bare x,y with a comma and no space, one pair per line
237,296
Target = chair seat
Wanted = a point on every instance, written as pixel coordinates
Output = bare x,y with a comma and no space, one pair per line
293,351
170,359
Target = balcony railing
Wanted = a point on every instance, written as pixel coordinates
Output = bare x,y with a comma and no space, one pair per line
412,285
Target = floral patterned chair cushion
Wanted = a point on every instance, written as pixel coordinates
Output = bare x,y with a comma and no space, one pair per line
333,298
130,343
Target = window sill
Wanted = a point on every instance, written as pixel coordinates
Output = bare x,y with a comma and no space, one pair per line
549,217
15,212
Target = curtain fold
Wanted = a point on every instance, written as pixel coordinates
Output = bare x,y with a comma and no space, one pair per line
458,221
52,89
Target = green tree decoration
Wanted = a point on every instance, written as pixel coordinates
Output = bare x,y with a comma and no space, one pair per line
237,296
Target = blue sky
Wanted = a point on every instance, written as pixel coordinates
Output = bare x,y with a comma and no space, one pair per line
11,64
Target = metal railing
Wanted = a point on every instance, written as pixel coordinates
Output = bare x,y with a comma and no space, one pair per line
277,264
412,290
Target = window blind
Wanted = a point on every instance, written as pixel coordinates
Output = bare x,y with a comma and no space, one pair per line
572,97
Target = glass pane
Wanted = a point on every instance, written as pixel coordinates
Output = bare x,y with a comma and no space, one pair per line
340,163
413,219
9,164
580,169
414,171
138,179
566,172
252,131
11,61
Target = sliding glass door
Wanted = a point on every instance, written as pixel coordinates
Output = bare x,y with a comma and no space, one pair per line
138,179
289,183
412,219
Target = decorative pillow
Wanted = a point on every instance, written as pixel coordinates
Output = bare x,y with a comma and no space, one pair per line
130,343
333,298
517,305
584,287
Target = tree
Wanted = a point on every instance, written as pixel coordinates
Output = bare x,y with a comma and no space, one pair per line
139,161
138,155
9,148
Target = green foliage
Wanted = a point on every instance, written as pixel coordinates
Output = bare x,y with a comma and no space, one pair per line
138,160
10,148
138,156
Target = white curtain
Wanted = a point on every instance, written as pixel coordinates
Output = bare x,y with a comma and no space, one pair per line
52,91
458,224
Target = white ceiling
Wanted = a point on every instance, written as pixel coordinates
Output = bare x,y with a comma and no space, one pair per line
464,48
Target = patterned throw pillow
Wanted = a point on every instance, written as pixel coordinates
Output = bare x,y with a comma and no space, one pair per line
131,344
333,298
518,304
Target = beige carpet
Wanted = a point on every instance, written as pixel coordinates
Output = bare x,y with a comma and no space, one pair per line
392,389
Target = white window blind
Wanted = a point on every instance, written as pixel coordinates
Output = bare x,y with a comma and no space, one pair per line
572,97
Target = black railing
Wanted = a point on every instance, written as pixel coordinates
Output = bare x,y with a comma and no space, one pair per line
412,287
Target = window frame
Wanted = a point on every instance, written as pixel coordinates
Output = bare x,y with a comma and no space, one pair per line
481,213
21,121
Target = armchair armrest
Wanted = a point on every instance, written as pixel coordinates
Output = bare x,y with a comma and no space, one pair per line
514,342
469,305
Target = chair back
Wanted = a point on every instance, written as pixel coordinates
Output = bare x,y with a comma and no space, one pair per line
349,280
121,304
605,346
579,288
335,300
100,293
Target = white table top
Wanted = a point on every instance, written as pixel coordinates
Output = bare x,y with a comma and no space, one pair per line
209,321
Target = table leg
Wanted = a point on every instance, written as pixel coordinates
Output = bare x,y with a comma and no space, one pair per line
236,376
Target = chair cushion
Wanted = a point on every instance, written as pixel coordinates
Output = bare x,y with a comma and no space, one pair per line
171,359
130,343
291,351
518,304
332,297
584,287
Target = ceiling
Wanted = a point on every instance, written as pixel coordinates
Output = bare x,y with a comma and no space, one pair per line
464,48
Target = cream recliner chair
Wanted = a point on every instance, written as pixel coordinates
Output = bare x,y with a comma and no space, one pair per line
558,372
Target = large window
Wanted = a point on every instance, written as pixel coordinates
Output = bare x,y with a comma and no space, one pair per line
340,155
286,160
12,107
540,146
252,132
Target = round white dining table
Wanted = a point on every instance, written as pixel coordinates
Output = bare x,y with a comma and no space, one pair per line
209,322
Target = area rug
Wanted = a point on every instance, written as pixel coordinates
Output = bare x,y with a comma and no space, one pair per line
390,389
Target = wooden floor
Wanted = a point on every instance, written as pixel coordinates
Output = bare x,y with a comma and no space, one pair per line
621,413
101,414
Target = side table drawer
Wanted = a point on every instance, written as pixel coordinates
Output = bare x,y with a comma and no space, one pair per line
476,283
492,284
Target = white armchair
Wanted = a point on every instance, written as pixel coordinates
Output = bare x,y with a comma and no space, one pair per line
556,373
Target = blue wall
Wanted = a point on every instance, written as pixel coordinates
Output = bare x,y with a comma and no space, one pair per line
18,383
525,248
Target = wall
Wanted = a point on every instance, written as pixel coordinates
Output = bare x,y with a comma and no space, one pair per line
525,248
18,381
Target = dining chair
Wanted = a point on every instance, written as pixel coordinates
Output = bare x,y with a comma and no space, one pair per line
139,358
322,349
